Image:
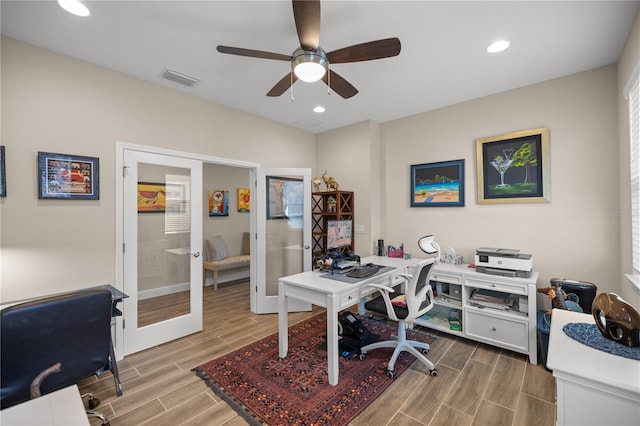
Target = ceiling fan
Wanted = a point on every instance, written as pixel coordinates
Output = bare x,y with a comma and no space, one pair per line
310,62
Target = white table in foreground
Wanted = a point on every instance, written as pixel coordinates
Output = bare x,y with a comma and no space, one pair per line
334,296
60,408
592,387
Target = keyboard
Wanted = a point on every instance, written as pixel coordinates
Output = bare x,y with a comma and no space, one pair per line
363,272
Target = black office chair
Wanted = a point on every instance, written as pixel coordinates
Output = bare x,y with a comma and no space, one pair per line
73,329
417,300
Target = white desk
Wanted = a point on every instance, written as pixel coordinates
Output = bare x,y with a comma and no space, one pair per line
60,408
592,387
334,296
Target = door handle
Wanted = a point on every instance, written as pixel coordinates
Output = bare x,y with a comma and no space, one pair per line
196,254
306,246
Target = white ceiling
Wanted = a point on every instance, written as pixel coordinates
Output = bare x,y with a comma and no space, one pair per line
442,61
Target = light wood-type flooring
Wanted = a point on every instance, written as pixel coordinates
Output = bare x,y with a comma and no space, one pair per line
477,384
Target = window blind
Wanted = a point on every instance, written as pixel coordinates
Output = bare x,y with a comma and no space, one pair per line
632,92
177,216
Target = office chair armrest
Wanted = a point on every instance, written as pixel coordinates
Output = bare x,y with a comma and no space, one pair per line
382,287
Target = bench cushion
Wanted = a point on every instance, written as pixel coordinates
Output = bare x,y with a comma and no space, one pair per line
230,262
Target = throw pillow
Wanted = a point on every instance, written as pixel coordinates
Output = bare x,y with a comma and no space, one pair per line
216,248
246,244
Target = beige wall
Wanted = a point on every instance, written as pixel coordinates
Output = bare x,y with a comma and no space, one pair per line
54,103
581,113
57,104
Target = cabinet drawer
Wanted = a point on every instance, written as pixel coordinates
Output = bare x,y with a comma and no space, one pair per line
497,331
513,288
446,278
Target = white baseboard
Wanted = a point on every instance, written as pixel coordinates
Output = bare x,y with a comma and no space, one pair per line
162,291
223,277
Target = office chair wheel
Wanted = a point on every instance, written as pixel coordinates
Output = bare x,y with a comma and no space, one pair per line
391,374
425,352
433,372
362,357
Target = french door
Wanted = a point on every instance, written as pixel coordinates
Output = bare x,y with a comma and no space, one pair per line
162,261
283,227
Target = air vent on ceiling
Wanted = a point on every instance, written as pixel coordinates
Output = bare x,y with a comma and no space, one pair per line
180,78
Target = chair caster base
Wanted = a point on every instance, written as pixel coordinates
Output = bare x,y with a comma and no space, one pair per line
433,372
391,374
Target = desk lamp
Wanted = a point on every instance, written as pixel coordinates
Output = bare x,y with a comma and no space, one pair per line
429,246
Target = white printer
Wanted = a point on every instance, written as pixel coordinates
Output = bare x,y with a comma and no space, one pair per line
505,262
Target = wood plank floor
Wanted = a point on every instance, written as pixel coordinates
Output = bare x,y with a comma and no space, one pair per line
476,385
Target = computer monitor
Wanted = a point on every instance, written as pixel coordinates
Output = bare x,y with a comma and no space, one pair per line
339,234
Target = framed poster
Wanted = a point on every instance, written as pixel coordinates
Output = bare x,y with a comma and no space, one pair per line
218,202
69,177
152,197
514,168
438,184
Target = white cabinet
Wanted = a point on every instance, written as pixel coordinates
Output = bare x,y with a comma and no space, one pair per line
593,387
512,327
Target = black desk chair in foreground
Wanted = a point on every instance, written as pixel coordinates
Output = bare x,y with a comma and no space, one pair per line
73,329
405,308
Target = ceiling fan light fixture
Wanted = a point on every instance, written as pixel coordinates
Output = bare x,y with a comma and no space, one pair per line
309,65
498,46
74,7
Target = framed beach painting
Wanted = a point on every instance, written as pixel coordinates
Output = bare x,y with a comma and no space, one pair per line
514,168
438,184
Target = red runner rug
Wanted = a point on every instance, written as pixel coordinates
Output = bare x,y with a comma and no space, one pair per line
264,389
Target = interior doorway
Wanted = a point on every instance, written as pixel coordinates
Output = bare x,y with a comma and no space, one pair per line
133,260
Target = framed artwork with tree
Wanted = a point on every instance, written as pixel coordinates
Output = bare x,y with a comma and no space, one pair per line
514,167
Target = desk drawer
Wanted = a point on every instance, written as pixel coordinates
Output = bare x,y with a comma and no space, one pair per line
496,285
349,298
446,278
497,331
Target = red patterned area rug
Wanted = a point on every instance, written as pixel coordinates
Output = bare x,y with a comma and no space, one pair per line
264,389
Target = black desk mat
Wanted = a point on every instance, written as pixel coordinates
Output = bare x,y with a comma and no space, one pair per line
352,280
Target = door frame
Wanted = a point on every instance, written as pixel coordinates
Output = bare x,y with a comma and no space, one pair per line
118,327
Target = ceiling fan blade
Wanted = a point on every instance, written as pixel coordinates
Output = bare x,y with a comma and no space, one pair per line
282,86
378,49
306,14
253,53
339,85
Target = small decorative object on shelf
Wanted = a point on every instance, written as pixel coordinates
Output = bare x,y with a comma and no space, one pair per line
616,319
329,182
331,204
316,184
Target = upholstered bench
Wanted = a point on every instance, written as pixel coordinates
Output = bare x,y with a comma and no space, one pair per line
217,258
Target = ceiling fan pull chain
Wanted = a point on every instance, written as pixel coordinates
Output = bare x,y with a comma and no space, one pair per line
291,87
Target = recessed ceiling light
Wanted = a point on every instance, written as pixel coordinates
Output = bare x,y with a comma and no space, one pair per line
498,46
74,7
319,109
